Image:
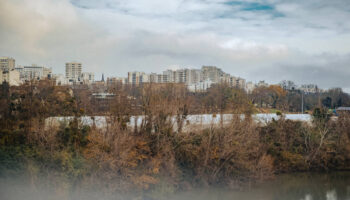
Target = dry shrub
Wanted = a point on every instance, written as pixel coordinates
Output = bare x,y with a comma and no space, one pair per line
264,168
128,160
218,155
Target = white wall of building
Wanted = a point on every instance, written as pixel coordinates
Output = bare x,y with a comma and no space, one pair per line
12,77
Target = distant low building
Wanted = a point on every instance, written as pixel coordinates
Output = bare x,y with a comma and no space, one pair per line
87,77
60,79
309,88
33,72
201,86
102,101
262,84
116,80
343,110
249,87
11,77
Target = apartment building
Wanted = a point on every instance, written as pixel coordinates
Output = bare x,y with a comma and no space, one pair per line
195,79
212,73
60,79
193,76
11,77
33,72
7,64
87,77
73,71
169,76
136,78
116,80
237,82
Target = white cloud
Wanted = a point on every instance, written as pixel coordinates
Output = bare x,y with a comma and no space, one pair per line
150,35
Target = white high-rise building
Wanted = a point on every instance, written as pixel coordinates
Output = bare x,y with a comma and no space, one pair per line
212,73
145,78
73,71
181,75
193,76
169,76
153,78
33,72
237,82
136,78
7,63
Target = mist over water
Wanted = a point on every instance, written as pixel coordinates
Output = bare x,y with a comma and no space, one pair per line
300,186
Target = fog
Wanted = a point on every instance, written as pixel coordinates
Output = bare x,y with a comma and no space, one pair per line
299,186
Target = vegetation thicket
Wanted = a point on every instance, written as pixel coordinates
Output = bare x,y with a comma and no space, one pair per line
158,155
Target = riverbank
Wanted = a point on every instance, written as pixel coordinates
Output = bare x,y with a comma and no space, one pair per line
293,186
156,158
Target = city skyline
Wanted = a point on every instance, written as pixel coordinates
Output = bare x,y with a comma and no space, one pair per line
196,79
306,42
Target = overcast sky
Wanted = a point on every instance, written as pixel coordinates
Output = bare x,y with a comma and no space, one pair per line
307,41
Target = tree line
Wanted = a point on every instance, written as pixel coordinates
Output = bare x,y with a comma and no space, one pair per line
155,156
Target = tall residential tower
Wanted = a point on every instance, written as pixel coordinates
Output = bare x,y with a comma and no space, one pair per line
73,71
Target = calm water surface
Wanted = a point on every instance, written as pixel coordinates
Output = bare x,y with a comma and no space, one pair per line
301,186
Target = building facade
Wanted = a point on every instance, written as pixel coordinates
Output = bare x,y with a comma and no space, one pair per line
237,82
137,78
249,87
309,88
11,77
87,77
212,73
7,63
60,79
73,71
200,86
116,80
34,72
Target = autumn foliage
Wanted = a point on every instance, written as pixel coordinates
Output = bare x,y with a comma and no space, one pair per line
158,154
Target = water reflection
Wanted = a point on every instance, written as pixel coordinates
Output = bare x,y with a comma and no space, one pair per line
302,186
330,195
307,197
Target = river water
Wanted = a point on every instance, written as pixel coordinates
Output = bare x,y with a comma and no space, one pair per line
301,186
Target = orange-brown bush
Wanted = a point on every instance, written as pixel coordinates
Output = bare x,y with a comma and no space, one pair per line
157,151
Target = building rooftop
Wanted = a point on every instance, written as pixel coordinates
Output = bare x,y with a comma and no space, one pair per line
344,108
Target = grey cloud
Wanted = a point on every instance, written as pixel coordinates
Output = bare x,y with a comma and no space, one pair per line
326,70
119,36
